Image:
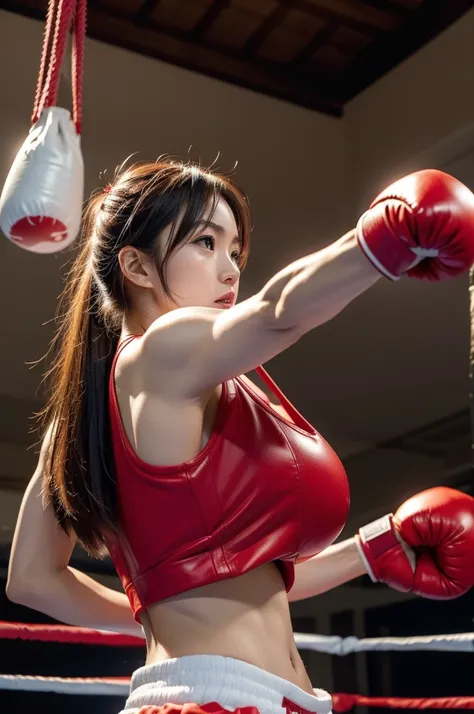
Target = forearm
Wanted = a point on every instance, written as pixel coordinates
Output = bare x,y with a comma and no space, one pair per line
315,288
77,599
334,566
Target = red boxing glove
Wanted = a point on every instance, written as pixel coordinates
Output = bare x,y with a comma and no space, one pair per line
422,225
426,548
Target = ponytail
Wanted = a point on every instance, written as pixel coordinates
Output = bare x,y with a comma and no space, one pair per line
80,479
142,202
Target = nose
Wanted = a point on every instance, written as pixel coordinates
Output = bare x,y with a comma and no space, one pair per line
230,273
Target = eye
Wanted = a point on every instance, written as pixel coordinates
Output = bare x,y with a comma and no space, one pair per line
236,256
207,241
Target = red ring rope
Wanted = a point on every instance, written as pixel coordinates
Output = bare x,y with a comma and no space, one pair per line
346,702
342,702
66,634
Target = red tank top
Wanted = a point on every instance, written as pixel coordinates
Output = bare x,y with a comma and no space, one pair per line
263,489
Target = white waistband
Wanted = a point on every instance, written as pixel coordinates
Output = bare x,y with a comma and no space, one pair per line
201,679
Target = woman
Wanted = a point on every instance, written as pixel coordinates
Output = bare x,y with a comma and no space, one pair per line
217,507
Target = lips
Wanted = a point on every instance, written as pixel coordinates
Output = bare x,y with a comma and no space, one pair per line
226,300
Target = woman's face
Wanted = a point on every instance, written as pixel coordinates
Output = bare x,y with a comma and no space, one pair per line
204,271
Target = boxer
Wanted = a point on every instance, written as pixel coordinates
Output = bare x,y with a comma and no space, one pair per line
217,508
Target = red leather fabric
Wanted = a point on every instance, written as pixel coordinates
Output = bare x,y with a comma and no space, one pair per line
263,489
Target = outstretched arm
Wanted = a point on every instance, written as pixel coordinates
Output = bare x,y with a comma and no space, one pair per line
39,575
191,350
334,566
421,226
426,547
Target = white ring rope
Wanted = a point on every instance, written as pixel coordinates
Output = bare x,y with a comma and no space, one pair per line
347,645
120,686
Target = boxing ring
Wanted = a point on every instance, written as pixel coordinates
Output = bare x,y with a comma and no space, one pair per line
61,18
330,645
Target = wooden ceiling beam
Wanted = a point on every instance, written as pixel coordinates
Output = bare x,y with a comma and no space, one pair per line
323,13
265,29
319,39
387,6
263,77
422,25
208,19
280,81
146,10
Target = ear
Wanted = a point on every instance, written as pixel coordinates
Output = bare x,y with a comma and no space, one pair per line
136,266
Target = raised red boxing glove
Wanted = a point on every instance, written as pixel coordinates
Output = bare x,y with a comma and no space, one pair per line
422,225
426,548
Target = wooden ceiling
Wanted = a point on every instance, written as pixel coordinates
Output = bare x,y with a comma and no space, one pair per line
315,53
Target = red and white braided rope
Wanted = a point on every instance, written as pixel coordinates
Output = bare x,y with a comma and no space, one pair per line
63,16
119,686
463,642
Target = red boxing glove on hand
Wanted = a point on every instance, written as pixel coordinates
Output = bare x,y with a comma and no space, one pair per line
427,547
422,225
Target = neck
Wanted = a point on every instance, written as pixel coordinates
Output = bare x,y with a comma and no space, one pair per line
144,309
137,322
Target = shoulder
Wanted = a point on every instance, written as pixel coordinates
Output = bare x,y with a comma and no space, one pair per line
166,356
171,339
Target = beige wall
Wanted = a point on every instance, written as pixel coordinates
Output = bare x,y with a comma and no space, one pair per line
420,115
289,159
395,124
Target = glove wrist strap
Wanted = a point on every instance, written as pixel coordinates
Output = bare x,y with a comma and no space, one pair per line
373,540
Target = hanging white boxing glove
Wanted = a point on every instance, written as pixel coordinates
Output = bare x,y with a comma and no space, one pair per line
41,201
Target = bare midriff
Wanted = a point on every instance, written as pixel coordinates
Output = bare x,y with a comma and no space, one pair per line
246,617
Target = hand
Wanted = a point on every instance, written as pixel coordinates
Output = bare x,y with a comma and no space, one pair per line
426,548
422,225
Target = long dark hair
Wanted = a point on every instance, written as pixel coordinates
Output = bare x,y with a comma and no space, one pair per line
142,201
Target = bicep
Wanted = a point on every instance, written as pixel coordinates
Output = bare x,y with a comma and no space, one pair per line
196,349
40,546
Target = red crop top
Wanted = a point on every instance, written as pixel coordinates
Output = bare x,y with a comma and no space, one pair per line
263,489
